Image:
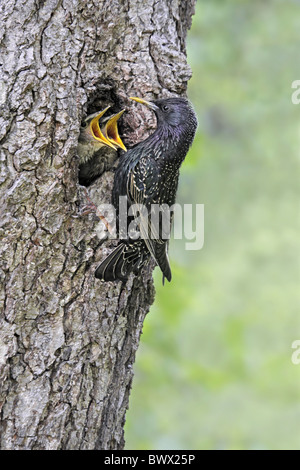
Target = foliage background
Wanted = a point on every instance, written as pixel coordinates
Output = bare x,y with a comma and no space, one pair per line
214,369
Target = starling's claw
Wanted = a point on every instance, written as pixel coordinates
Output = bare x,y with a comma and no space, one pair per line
96,131
110,130
146,103
91,207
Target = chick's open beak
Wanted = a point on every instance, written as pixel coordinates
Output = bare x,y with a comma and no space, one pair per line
146,103
96,131
111,133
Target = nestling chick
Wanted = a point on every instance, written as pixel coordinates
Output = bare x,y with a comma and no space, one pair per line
98,135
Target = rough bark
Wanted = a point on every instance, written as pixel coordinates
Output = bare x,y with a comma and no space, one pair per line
67,340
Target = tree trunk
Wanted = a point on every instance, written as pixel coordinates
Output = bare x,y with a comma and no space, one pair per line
68,340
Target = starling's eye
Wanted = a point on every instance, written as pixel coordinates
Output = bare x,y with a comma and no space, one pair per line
84,124
165,108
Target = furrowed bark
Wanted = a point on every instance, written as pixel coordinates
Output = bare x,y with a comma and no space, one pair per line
67,340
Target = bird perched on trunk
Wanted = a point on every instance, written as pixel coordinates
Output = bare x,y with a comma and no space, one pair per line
98,135
148,175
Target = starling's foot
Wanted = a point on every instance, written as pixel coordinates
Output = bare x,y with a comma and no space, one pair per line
88,209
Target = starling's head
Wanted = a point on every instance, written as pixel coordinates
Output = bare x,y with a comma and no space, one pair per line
171,111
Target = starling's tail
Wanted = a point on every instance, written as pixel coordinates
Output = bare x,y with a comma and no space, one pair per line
126,258
162,259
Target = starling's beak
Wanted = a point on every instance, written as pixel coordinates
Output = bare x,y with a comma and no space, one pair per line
96,131
111,130
150,104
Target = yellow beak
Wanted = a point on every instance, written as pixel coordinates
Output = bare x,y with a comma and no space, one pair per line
146,103
111,133
96,131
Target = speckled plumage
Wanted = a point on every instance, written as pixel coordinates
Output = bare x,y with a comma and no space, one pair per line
148,174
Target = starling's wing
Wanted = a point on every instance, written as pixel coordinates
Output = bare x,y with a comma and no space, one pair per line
165,199
137,192
143,188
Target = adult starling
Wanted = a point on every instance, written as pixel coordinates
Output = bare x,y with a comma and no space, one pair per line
148,174
98,135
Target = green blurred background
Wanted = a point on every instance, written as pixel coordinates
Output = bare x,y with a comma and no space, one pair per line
214,368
